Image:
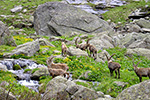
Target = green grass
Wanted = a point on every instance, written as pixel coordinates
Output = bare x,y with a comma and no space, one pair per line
99,71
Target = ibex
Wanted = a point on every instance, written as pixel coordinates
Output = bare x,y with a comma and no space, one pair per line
50,64
58,72
113,66
141,72
64,49
81,46
93,51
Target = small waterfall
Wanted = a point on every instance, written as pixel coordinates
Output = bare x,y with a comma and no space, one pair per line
8,63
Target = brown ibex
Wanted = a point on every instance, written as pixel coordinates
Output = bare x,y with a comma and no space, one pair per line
58,72
113,66
141,72
81,46
93,51
50,64
64,49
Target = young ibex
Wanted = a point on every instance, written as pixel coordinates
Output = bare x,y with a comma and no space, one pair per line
64,49
50,64
113,66
81,46
141,72
93,51
58,72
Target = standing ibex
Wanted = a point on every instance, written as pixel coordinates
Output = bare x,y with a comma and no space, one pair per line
64,49
141,72
113,66
81,46
50,64
93,50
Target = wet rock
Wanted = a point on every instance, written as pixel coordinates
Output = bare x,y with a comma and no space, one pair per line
3,67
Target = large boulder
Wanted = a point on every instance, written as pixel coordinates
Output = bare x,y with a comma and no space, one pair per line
5,35
56,18
139,91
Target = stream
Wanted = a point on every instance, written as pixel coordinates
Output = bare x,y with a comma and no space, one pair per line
23,78
100,5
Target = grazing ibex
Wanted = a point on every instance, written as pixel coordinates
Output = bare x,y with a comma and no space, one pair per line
81,46
58,72
50,64
64,49
141,72
113,66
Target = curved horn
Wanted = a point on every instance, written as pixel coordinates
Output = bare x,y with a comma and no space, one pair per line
76,41
111,56
106,56
138,63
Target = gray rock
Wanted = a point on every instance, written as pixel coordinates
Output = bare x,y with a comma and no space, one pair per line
102,41
45,42
85,74
28,49
62,89
3,67
5,35
56,89
17,9
145,43
129,38
43,71
139,51
143,23
139,91
84,93
122,84
76,52
55,18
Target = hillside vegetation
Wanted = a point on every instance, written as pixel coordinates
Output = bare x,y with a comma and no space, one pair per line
77,66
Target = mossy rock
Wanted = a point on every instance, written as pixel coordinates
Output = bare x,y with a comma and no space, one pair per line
16,67
26,70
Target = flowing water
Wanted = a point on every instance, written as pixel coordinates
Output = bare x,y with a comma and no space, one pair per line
104,3
23,78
